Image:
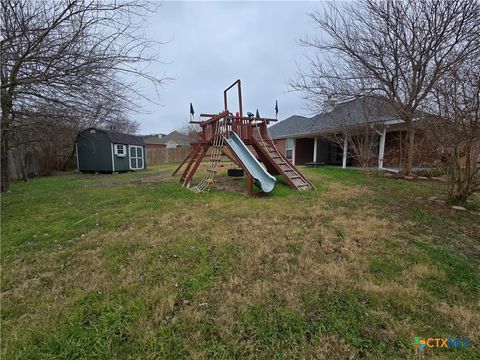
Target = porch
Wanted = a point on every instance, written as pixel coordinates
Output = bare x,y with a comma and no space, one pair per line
319,150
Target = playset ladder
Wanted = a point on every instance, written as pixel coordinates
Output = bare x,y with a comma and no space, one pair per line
215,157
198,154
276,162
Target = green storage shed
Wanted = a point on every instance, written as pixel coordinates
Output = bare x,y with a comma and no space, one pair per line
101,150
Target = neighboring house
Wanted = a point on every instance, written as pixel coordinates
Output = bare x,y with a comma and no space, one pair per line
176,139
170,141
101,150
308,140
154,141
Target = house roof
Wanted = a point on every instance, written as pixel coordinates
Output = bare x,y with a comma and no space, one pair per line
349,113
119,138
177,138
153,139
293,125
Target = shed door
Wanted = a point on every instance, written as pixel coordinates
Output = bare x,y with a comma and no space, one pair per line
136,157
139,157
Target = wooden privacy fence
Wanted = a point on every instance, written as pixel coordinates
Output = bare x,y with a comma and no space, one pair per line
158,156
40,161
23,164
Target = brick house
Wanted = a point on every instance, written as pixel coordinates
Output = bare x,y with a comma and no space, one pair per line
306,140
154,141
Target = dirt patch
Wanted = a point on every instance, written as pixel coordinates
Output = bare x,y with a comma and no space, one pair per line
150,180
230,185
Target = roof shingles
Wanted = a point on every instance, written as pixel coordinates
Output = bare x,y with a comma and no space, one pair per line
350,113
118,137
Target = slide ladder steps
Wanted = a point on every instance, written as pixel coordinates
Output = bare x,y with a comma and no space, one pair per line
283,165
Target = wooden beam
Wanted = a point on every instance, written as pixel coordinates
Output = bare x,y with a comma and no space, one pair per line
214,118
232,159
190,163
195,166
194,149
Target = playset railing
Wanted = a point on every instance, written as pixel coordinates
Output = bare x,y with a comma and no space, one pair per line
242,126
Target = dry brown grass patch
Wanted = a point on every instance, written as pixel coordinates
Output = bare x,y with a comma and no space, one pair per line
466,319
344,191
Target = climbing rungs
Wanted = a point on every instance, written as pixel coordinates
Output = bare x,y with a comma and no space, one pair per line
281,164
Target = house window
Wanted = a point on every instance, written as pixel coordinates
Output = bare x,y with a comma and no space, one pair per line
171,145
120,150
289,143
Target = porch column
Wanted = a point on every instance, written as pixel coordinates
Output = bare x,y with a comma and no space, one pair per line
381,150
315,140
344,160
293,150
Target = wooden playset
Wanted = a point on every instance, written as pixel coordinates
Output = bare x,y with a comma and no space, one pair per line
235,136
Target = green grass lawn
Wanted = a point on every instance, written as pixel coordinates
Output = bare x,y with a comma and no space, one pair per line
133,266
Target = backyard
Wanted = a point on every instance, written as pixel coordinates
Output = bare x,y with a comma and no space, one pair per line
135,266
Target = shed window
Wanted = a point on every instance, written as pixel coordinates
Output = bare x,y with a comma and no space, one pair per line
289,149
120,150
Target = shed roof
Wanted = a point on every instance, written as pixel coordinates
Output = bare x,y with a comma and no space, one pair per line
118,137
349,113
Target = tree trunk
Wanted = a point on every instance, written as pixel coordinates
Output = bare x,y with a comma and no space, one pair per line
6,104
4,161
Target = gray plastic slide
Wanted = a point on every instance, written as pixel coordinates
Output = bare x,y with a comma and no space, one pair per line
263,180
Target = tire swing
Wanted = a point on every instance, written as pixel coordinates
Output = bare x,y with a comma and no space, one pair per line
235,172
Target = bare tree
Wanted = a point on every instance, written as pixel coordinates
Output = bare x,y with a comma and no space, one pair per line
396,49
191,130
73,57
456,128
356,126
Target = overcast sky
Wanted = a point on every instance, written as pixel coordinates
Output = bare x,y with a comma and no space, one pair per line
213,44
